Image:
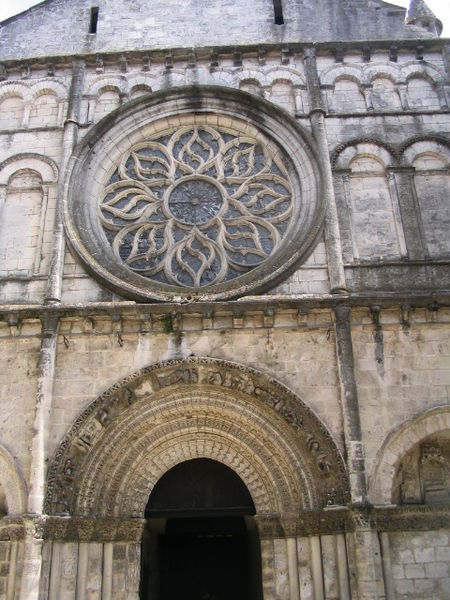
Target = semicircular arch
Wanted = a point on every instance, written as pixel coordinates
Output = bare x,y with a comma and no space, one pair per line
12,484
29,161
398,443
127,439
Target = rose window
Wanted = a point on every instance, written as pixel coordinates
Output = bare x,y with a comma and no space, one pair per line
197,206
196,193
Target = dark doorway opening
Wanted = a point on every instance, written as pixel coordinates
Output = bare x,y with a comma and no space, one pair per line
200,541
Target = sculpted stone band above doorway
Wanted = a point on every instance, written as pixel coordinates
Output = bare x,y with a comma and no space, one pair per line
127,439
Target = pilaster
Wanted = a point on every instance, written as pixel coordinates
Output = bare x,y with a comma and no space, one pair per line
318,126
403,183
71,125
349,404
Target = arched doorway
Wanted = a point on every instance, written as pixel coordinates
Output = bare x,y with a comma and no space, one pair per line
200,540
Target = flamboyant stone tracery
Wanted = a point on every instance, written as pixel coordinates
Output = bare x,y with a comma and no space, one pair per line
197,205
208,194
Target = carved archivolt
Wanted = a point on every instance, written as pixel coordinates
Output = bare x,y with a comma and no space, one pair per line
122,444
196,192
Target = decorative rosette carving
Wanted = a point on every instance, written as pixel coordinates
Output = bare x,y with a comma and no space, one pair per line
199,193
197,206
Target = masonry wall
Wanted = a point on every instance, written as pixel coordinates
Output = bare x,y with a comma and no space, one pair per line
167,24
387,127
420,564
350,91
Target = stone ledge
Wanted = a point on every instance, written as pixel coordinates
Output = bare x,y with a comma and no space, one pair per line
339,519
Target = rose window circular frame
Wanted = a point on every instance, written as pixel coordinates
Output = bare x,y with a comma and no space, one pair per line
193,193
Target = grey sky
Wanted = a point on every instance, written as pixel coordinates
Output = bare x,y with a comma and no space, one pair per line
441,8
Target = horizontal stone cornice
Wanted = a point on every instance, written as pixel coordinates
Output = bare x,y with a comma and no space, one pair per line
217,52
325,522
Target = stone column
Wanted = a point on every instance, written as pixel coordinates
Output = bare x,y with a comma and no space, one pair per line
268,568
107,579
403,184
55,573
442,98
345,206
54,284
290,531
82,571
294,588
317,568
39,453
270,532
402,91
318,126
342,566
349,405
11,586
368,96
367,559
32,562
387,566
44,399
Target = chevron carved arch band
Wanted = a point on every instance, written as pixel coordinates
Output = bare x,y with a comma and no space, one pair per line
162,415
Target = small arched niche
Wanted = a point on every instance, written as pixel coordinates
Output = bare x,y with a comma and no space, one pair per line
20,223
385,95
200,540
423,475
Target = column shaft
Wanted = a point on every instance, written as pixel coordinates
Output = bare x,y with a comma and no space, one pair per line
349,405
55,276
342,564
294,588
83,556
11,587
55,573
316,567
318,126
107,578
410,213
387,566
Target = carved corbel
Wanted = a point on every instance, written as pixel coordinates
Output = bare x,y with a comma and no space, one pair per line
99,65
192,59
207,319
146,322
269,317
237,58
146,63
406,316
168,59
261,57
88,325
238,319
285,55
123,63
14,323
213,60
117,328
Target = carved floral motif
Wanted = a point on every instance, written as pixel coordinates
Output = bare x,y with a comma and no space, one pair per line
197,206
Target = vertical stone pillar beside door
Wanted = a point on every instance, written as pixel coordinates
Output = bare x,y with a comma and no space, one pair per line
92,571
279,558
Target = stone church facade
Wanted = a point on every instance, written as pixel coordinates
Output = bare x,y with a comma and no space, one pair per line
224,301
